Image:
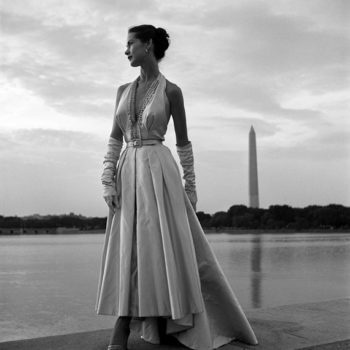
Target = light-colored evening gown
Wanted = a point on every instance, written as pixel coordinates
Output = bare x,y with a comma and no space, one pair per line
156,260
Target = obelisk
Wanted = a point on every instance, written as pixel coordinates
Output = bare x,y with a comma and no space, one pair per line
253,171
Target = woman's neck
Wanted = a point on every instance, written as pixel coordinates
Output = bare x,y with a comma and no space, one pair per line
149,72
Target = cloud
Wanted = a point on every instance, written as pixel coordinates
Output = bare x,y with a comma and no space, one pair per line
279,66
73,62
258,57
247,71
51,171
48,146
64,72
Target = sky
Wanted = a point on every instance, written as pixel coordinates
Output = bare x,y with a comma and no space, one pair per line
277,65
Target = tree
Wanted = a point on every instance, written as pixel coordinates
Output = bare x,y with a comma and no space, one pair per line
220,219
204,218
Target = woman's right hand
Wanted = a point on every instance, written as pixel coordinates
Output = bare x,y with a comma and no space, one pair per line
110,197
112,202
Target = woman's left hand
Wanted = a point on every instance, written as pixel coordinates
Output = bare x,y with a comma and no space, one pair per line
192,196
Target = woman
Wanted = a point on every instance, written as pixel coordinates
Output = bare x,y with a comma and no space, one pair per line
158,269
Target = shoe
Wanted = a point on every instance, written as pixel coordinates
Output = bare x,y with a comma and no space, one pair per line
118,347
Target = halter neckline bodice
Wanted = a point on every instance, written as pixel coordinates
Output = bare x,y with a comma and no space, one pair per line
134,113
151,121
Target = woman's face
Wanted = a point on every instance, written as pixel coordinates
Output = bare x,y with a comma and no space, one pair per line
135,50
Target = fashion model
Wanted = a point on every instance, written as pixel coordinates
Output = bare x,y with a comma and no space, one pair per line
159,275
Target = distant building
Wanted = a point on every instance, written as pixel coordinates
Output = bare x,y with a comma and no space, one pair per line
253,171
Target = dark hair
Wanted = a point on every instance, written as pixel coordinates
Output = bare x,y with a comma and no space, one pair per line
159,36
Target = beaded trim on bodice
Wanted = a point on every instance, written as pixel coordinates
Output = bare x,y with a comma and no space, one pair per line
135,118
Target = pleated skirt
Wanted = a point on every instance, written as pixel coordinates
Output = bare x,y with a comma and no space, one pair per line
157,262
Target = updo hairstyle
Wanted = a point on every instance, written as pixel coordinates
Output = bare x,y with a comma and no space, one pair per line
159,36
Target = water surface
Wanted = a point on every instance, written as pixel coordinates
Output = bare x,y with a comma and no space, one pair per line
48,282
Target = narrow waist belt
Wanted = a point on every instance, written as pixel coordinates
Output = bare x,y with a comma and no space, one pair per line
140,143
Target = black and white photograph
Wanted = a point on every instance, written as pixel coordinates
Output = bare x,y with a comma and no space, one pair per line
174,174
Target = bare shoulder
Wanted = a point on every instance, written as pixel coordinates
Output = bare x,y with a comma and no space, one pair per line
121,88
120,91
173,91
177,110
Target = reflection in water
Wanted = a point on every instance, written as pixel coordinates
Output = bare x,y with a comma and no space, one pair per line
256,274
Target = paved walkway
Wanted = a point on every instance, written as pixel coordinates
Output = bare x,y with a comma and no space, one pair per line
312,326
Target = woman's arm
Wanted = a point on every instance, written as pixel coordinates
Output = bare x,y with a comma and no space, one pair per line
116,132
183,145
114,147
177,110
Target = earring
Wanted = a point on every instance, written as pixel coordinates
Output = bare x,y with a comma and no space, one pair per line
146,50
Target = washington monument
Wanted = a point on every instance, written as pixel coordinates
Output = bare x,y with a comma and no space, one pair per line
253,171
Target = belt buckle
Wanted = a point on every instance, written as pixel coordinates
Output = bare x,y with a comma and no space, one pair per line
137,143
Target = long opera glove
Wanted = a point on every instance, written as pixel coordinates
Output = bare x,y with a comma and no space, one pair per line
186,160
114,148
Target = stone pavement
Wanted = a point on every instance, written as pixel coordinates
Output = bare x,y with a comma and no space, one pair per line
312,326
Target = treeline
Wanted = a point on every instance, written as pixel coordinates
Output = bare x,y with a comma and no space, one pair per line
276,217
53,221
